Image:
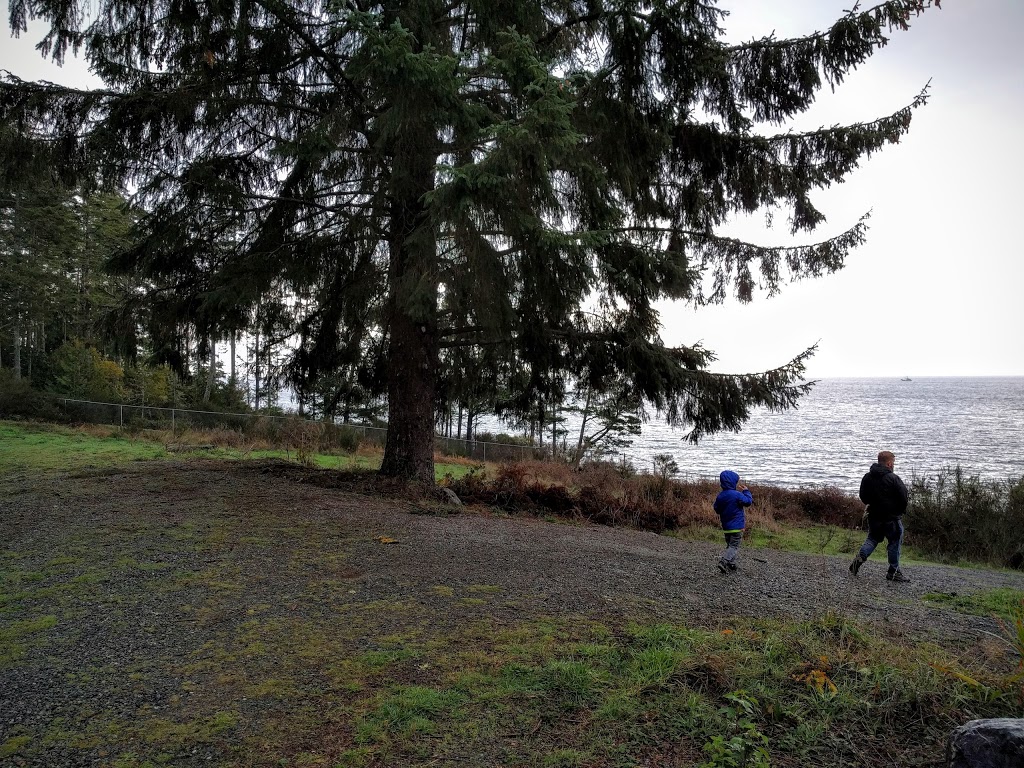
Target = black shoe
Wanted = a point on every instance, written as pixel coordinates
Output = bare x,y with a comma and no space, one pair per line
897,576
858,561
733,567
723,566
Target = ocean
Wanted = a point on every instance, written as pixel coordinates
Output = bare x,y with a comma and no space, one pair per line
839,428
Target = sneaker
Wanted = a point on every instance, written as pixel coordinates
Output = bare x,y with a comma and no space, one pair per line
723,566
858,561
733,567
897,576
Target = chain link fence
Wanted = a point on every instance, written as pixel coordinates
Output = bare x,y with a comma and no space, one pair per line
279,430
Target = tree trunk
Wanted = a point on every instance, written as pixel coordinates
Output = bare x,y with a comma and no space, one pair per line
16,333
412,299
409,449
256,361
211,374
583,429
234,381
28,346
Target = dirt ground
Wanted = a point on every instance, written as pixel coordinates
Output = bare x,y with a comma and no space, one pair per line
149,572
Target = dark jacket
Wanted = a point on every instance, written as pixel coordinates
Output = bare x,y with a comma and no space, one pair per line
884,493
729,503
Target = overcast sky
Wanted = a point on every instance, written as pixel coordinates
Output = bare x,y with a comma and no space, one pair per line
937,289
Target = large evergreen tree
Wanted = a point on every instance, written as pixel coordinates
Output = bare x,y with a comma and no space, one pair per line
522,177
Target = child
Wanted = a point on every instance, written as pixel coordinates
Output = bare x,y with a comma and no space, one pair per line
729,505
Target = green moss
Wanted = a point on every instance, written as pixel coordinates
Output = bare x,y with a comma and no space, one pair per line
166,732
57,562
14,637
14,746
274,688
359,757
565,758
377,661
90,577
131,563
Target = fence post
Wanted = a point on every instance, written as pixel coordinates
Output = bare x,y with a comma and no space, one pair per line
172,422
485,450
120,409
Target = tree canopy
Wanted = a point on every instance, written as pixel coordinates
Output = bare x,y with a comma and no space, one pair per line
413,184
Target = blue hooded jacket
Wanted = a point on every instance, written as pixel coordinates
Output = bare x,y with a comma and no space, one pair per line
729,503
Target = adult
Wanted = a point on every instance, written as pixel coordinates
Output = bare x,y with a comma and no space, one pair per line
886,498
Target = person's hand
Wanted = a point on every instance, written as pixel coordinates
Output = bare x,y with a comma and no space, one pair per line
740,487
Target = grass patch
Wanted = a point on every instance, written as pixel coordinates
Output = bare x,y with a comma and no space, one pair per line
817,539
407,712
29,447
47,448
1004,603
15,640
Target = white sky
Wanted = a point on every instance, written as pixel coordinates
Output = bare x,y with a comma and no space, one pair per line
937,289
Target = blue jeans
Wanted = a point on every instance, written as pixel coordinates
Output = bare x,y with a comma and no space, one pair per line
891,531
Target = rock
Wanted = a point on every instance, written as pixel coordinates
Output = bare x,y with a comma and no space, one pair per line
993,743
449,496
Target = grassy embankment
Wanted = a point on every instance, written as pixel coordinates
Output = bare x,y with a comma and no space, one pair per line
292,688
40,447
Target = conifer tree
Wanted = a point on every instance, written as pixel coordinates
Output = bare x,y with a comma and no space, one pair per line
526,178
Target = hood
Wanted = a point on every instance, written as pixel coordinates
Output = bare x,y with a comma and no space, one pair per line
879,469
729,480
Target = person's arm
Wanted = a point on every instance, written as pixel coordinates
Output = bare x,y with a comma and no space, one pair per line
746,498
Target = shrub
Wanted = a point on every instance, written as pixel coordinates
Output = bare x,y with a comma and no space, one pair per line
958,516
597,492
18,400
828,506
502,437
601,493
341,437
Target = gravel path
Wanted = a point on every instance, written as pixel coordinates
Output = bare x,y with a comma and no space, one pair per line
97,550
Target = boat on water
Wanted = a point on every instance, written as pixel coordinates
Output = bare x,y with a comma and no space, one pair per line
906,378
